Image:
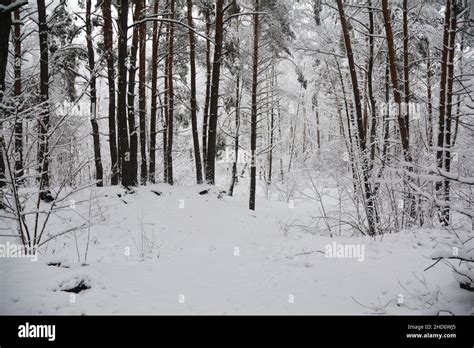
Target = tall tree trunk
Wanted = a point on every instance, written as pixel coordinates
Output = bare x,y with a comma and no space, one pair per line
5,27
192,60
154,93
386,132
19,170
166,110
214,102
272,126
317,11
208,92
237,132
315,108
402,121
449,107
370,204
142,98
280,139
373,126
429,74
394,78
109,54
43,122
406,68
253,129
440,154
132,128
93,98
349,121
458,97
169,145
122,122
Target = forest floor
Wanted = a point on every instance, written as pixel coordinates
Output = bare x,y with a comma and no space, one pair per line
175,251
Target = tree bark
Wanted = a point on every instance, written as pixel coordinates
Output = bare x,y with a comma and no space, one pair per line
43,122
394,78
373,126
93,98
19,169
165,111
192,60
370,204
122,122
440,154
109,52
214,102
429,74
154,93
449,107
132,128
208,92
170,127
142,98
272,126
406,68
236,140
5,27
253,130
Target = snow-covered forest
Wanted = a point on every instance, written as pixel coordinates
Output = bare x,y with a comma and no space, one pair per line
236,157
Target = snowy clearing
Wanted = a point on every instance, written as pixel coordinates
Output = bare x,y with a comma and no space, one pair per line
186,253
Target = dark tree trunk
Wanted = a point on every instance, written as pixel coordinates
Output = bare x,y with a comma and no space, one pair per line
122,122
192,60
132,127
142,99
406,68
394,78
253,129
19,169
449,108
461,73
5,27
109,52
93,98
370,204
43,123
386,132
402,121
429,75
373,126
154,93
236,140
316,112
166,111
214,102
440,154
170,127
272,126
282,174
208,92
317,11
349,129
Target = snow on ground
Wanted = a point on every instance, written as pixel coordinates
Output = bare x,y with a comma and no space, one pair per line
185,253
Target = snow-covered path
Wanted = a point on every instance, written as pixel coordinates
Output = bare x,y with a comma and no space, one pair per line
208,255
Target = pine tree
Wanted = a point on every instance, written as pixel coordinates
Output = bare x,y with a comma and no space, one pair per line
93,97
192,61
109,55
